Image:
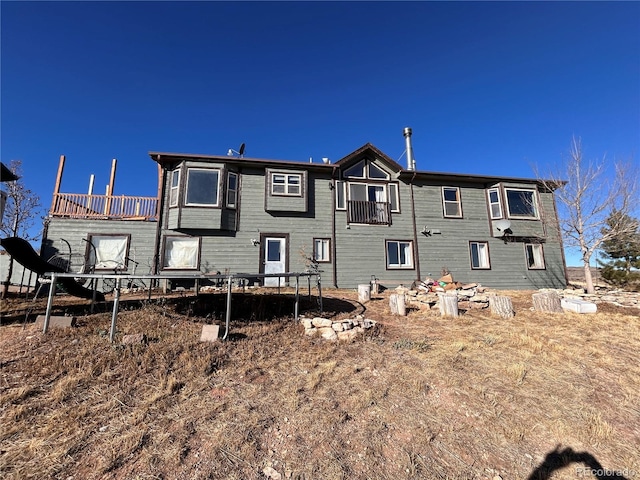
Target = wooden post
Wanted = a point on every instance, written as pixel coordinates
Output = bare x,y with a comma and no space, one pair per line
547,302
56,188
397,304
448,303
501,306
364,293
112,181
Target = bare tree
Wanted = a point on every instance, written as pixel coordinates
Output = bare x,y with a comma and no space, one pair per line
22,207
589,193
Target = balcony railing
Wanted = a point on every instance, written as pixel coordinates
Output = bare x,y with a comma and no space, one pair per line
370,213
76,205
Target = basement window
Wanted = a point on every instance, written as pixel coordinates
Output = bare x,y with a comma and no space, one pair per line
108,251
479,252
534,255
321,250
181,253
399,254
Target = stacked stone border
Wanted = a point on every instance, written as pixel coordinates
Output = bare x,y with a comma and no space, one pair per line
335,330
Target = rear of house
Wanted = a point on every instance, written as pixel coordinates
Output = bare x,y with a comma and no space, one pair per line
363,216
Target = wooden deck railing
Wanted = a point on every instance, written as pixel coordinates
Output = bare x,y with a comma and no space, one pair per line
76,205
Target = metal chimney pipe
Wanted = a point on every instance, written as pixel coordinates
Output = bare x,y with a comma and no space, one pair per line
411,162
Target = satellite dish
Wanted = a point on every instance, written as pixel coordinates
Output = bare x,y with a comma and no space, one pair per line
241,151
502,225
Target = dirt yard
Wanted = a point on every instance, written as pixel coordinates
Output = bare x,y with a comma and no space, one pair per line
539,396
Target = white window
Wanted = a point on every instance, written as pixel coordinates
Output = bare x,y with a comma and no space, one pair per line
286,184
521,203
181,253
479,255
202,187
232,189
535,257
451,202
394,198
321,252
366,169
341,203
175,185
108,252
495,207
399,254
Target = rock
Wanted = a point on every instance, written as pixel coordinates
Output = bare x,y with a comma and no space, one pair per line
272,473
134,339
327,333
321,322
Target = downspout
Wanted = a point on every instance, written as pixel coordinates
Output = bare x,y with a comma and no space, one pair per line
415,230
162,182
334,249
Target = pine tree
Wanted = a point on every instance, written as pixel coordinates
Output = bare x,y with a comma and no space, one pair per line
621,265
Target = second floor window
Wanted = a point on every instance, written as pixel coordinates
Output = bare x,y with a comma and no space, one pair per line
232,190
495,208
451,202
174,189
202,187
286,184
521,203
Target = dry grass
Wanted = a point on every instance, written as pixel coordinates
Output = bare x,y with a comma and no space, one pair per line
421,397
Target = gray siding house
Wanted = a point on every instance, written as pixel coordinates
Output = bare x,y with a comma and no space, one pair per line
363,216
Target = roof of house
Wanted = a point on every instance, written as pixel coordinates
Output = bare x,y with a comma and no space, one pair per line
167,157
7,175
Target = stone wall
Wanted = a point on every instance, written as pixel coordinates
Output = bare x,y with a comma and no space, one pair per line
336,329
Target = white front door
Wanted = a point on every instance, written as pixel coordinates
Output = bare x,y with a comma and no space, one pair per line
275,249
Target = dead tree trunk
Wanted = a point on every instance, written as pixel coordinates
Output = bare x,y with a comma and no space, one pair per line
448,303
547,302
501,306
397,304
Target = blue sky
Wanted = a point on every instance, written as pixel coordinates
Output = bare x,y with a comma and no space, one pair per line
488,88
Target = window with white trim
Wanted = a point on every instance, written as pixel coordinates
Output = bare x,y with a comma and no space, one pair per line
286,184
521,203
202,187
495,206
321,250
109,252
451,202
479,252
534,256
232,189
181,253
175,188
399,254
